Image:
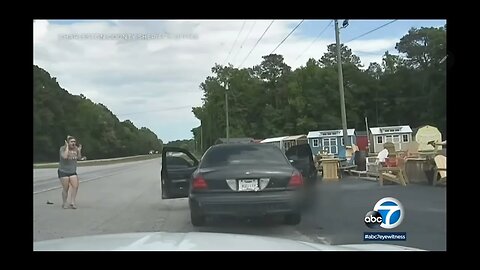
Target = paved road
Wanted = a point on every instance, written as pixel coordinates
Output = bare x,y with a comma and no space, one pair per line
47,179
342,206
130,202
126,198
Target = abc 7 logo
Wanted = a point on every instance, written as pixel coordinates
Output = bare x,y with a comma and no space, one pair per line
373,219
388,213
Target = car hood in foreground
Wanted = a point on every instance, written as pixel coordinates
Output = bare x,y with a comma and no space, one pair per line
195,241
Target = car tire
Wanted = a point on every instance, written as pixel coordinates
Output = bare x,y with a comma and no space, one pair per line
196,218
293,218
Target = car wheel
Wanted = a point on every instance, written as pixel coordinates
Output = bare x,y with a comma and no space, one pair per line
196,218
293,218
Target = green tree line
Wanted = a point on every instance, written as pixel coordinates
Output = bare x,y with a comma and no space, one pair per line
271,99
188,144
57,113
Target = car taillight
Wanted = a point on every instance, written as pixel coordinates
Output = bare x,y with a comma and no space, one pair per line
199,182
296,180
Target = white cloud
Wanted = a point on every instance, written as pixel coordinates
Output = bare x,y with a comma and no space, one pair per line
138,75
372,45
372,50
40,28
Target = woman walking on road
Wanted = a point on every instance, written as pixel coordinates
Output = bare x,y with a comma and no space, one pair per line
67,170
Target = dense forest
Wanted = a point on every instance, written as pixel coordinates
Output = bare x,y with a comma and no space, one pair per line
57,113
271,99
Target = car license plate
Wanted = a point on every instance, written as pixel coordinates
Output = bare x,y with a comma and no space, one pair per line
248,185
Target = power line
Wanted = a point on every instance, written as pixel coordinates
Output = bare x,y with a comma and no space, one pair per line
241,46
371,31
256,43
309,46
287,36
235,42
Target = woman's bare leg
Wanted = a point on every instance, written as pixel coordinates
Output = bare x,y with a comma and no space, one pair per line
74,182
65,185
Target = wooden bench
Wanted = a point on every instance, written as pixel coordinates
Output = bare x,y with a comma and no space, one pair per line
345,168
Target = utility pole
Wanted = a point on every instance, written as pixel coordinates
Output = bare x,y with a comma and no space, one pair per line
226,110
340,84
368,136
376,105
201,137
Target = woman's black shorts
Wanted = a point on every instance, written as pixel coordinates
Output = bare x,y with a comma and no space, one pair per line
64,174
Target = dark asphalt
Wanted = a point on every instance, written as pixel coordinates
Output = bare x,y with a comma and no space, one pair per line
338,215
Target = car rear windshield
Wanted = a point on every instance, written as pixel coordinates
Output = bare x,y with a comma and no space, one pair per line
243,154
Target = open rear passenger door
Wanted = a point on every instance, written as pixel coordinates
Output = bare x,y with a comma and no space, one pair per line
177,167
301,158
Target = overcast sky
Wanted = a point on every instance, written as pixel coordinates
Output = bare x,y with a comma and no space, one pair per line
150,71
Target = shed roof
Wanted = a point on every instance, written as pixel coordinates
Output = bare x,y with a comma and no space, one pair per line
330,133
276,139
390,130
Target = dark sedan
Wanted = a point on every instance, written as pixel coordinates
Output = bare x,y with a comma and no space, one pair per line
235,180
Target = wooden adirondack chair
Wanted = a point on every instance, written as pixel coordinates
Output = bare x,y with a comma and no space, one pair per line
390,147
412,149
394,174
440,169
